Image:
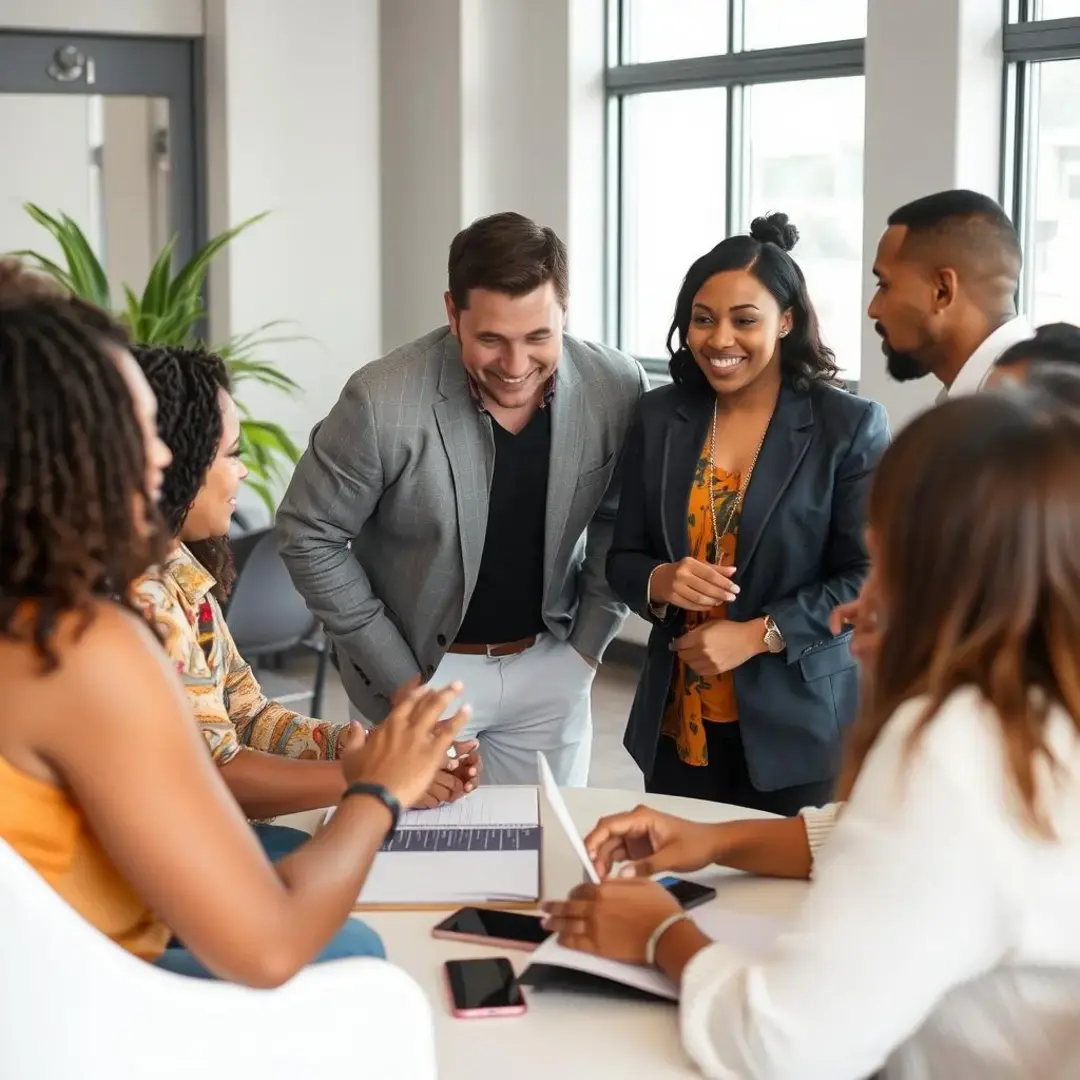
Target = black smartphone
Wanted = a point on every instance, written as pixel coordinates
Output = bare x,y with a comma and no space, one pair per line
484,988
510,929
689,893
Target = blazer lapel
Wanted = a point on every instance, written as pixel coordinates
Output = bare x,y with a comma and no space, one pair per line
683,441
564,461
470,449
786,442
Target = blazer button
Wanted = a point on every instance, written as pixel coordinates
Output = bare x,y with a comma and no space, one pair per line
430,670
441,639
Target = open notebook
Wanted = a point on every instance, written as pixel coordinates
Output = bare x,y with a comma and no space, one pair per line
482,849
553,967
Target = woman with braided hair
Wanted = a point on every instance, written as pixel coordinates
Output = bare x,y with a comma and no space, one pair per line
106,789
273,760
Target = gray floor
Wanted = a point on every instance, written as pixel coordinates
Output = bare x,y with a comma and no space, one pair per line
613,691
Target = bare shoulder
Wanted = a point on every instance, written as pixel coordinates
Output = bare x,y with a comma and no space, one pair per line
111,656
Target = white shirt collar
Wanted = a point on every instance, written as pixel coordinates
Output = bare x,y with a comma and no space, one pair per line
976,371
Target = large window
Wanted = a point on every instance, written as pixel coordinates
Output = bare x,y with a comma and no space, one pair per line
722,110
1042,129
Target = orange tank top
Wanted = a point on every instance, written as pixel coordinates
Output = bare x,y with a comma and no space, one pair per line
42,824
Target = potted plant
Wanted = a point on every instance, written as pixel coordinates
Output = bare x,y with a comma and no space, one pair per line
169,311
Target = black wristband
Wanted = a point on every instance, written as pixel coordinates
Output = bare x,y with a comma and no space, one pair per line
377,791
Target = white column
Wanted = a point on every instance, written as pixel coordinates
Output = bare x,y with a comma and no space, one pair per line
489,105
293,128
933,122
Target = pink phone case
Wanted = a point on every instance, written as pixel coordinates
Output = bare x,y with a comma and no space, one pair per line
479,1014
480,939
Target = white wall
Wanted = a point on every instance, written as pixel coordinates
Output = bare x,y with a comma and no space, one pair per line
489,105
183,18
294,129
421,125
937,131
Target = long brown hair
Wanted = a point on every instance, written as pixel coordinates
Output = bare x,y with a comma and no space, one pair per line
72,463
975,509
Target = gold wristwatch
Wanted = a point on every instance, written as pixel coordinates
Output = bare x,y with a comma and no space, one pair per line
774,640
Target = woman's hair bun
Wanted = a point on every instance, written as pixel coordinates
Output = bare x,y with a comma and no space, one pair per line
775,229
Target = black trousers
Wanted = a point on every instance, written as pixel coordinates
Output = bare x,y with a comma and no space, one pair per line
726,778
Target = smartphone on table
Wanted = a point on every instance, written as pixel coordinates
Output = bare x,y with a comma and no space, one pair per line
481,988
689,893
506,929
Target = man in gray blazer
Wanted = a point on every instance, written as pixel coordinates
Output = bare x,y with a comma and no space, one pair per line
473,475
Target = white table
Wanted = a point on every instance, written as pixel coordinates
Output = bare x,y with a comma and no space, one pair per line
564,1034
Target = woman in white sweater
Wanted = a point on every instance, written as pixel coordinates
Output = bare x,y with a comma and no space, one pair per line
941,936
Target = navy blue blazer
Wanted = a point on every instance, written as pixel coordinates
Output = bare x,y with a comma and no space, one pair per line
800,551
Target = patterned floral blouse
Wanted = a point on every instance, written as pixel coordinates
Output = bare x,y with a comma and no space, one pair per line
695,699
229,704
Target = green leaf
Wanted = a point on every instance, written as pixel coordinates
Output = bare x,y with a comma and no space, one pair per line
133,315
188,282
87,271
263,372
155,298
273,437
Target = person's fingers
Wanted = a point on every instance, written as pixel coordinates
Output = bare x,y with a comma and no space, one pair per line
717,575
645,868
697,600
446,786
562,910
565,927
445,730
427,801
609,853
579,943
586,892
617,825
428,710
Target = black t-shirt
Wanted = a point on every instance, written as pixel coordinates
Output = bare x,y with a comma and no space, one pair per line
507,603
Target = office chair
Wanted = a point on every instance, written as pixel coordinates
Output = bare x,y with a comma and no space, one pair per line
267,616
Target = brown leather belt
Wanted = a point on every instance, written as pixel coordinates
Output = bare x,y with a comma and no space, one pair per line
507,648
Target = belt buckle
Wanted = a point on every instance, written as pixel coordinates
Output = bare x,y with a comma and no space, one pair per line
492,655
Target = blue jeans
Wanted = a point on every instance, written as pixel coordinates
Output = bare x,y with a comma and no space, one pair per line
353,939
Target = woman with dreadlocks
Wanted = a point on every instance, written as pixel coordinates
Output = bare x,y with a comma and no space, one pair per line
273,760
106,788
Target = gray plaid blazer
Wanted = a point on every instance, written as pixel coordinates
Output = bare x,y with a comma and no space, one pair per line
400,471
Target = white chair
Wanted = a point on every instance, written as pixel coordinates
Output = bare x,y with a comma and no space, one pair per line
74,1006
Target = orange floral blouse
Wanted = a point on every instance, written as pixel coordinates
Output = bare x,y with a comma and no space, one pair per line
695,699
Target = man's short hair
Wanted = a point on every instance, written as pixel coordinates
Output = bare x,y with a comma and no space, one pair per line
975,228
506,253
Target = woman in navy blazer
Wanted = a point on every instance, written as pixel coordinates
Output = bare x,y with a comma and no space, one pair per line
740,528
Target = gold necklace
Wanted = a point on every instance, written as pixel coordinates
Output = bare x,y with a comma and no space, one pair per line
736,503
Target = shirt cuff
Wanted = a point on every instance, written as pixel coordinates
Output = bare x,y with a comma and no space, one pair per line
820,822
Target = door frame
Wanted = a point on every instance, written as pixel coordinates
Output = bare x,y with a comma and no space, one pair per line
170,68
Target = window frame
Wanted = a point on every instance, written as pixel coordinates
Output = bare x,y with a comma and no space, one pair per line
1027,42
735,70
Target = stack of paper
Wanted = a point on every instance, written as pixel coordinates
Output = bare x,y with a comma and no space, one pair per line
482,849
